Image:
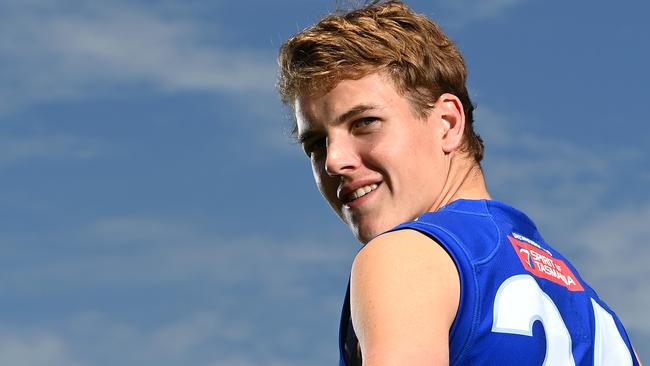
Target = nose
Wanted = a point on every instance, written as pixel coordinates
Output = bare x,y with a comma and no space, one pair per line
341,157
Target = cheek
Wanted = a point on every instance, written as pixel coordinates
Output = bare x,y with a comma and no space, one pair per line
392,153
381,151
412,161
325,183
317,171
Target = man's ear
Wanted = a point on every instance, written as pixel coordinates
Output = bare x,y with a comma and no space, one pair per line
452,117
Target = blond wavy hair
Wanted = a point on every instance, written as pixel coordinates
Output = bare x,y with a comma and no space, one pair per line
389,37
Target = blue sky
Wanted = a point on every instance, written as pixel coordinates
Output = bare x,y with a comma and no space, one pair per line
153,210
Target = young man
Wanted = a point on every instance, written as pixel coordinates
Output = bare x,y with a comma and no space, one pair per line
447,275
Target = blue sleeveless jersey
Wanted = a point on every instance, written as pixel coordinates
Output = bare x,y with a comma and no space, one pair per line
521,302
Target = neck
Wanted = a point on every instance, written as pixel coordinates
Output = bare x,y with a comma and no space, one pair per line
465,180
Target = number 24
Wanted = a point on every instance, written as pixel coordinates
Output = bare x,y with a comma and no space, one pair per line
520,302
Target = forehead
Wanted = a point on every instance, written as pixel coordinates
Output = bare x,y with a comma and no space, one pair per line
376,90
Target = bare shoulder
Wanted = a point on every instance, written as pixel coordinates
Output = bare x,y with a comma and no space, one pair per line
404,295
409,245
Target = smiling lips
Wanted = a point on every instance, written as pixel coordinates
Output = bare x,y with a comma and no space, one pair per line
360,192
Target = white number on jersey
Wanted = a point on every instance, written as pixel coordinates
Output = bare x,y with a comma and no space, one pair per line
520,302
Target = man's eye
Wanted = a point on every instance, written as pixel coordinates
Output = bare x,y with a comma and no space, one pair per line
364,122
315,146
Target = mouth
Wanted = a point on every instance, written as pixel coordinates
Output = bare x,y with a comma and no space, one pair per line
358,193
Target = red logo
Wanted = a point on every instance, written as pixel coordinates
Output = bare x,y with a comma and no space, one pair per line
540,263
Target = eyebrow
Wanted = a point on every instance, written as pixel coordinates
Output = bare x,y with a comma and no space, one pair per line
354,111
349,114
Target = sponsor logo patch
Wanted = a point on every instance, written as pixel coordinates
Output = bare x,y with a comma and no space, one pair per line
541,263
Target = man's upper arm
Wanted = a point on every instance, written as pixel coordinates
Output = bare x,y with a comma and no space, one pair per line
404,296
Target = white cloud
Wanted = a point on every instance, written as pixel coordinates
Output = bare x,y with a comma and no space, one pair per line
616,254
139,231
15,149
196,338
34,349
153,251
52,51
168,342
258,296
554,178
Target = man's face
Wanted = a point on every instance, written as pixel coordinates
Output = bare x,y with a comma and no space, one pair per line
373,159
